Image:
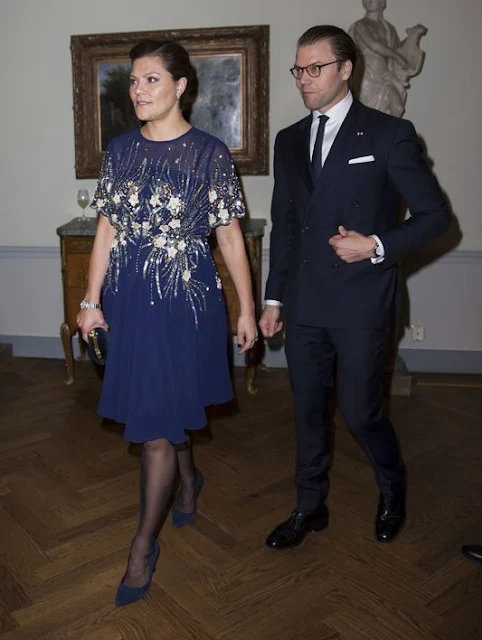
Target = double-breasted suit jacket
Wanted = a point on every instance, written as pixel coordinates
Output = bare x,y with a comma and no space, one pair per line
375,159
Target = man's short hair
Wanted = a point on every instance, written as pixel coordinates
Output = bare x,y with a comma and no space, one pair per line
341,43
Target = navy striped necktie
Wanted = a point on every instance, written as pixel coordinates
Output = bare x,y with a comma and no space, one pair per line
316,159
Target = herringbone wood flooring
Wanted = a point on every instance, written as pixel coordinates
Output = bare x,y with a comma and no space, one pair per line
68,508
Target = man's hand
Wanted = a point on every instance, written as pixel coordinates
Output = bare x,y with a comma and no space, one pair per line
352,246
269,322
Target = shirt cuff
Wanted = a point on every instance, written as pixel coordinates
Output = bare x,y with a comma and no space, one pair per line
274,303
381,251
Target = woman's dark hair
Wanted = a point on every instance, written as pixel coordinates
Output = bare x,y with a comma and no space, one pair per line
176,60
341,43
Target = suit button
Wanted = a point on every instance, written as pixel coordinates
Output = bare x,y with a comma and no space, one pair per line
305,229
355,204
304,263
335,266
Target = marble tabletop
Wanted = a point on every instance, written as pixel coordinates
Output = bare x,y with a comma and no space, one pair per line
251,227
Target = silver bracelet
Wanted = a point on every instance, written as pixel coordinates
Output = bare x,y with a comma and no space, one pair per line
85,304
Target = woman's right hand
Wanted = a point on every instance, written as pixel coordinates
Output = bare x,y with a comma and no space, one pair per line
88,319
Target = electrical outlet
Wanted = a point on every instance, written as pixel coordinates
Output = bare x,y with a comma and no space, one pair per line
418,332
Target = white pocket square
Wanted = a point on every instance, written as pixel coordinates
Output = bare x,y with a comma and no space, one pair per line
361,159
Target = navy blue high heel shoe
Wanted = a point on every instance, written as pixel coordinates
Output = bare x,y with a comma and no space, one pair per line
125,594
180,518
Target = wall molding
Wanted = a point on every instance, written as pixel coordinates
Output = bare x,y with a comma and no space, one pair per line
29,253
452,257
21,252
460,257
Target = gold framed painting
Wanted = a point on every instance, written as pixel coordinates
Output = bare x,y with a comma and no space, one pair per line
232,67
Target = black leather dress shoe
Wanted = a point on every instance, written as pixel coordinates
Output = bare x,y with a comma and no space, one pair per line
292,532
473,551
390,517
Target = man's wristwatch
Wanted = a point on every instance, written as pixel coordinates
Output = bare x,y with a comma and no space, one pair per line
377,253
85,304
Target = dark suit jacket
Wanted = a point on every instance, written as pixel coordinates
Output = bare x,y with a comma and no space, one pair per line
318,288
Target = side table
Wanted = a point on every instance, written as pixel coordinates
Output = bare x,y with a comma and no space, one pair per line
76,241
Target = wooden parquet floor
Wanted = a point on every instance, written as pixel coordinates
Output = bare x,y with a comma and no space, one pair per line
68,508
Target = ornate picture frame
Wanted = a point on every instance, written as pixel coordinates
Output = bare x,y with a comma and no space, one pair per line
232,64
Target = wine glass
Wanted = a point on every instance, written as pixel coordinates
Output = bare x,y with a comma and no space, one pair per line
83,201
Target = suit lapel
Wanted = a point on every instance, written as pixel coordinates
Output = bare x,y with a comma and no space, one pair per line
302,152
349,137
350,142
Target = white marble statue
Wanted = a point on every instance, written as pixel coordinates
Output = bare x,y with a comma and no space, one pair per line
387,63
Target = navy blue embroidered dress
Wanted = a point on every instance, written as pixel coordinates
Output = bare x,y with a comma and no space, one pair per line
162,295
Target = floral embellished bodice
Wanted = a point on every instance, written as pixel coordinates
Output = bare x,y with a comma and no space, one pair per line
164,198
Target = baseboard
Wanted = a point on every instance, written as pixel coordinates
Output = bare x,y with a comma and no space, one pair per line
421,360
438,361
38,346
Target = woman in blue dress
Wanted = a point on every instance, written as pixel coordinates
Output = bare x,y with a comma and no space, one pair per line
162,189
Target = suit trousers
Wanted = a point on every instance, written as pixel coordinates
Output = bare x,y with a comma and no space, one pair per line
358,357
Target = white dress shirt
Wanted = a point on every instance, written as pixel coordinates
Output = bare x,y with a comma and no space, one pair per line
336,116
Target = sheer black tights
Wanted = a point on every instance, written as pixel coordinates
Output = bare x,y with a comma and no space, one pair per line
157,475
187,474
160,461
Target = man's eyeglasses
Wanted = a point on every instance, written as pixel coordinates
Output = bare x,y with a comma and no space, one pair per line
313,70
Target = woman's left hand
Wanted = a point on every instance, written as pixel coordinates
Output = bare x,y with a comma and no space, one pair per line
247,333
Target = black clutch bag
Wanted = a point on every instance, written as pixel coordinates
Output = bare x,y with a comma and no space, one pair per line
98,344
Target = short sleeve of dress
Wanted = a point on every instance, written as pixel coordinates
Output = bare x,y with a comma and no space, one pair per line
102,202
225,197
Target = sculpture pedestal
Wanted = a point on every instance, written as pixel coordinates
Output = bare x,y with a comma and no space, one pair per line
398,379
5,354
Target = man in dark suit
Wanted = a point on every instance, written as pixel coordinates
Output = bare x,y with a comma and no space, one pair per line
335,243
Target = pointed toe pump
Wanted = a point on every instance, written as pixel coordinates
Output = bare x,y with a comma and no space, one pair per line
125,594
181,518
